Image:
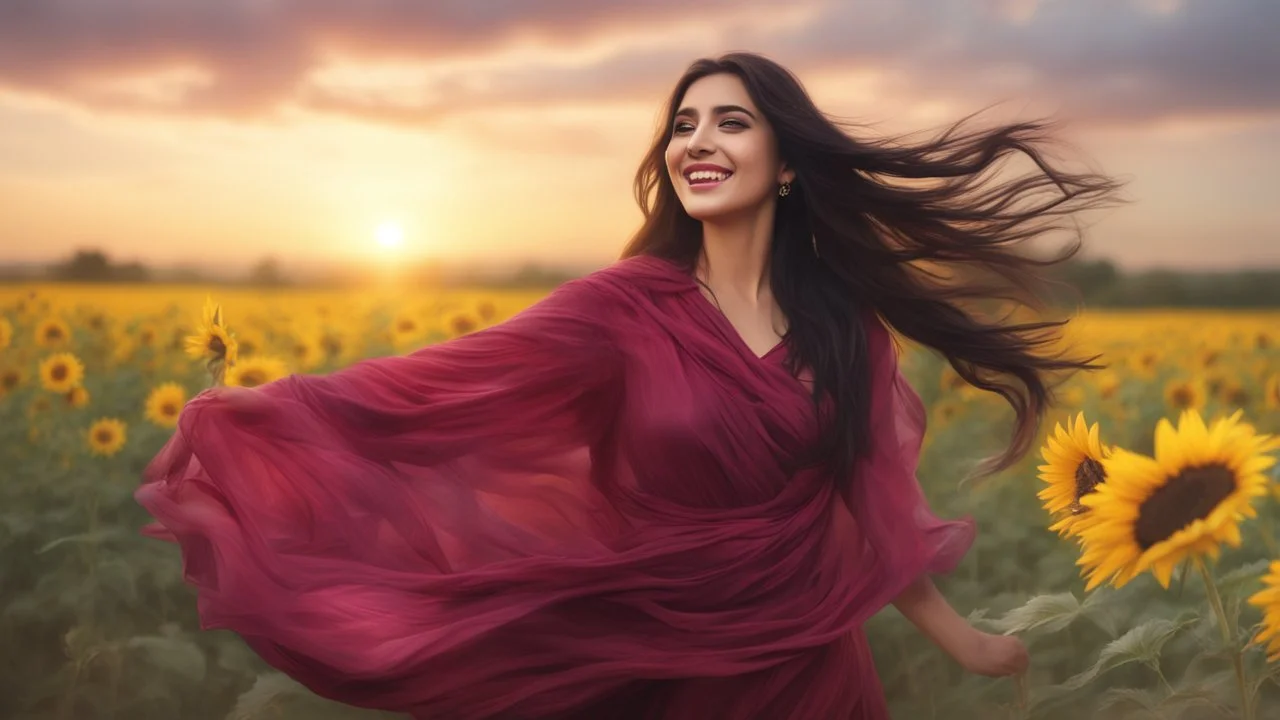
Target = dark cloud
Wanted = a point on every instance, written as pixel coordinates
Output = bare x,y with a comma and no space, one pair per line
1099,59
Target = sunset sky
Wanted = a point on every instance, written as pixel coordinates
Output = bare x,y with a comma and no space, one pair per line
225,130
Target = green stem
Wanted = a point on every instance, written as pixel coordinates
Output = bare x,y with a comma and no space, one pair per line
1228,638
1268,538
1155,665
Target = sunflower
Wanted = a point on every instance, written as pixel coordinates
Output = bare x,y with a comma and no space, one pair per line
61,372
96,322
946,410
950,380
1074,455
1233,394
1269,600
255,371
1271,395
39,406
106,437
10,379
211,339
122,349
1145,362
164,404
77,397
1207,358
146,335
52,333
306,350
405,329
461,324
249,342
1152,513
1185,394
6,333
1108,384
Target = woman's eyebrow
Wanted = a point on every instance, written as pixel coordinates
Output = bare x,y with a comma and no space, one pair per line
717,110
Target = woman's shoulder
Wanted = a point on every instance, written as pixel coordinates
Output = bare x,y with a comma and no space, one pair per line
644,272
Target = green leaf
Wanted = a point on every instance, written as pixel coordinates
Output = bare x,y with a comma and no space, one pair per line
1141,644
1050,613
1100,607
268,690
1158,702
95,536
1239,579
175,654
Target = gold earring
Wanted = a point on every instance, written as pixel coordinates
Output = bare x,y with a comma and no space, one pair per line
785,190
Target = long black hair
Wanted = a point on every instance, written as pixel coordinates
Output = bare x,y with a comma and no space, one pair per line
921,233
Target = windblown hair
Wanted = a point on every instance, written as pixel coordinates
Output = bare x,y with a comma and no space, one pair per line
920,233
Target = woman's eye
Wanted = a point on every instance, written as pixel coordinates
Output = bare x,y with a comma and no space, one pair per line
681,126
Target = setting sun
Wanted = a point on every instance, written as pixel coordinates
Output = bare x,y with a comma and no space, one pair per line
390,236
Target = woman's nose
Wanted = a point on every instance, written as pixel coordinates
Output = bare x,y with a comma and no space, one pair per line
698,142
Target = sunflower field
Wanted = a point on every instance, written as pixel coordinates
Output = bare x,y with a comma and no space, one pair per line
1136,550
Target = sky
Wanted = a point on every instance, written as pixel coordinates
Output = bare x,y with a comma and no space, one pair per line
223,131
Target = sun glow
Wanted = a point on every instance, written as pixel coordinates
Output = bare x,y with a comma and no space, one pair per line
390,236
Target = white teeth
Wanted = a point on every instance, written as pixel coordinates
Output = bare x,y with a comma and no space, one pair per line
707,175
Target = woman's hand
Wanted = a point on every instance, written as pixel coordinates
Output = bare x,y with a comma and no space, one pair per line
976,651
994,655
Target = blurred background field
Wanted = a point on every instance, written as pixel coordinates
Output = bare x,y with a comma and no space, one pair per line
353,180
107,629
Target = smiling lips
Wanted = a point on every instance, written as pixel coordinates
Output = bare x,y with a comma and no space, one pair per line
703,175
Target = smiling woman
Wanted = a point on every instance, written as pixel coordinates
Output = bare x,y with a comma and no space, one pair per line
617,504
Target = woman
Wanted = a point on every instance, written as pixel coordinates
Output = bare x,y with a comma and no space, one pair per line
675,488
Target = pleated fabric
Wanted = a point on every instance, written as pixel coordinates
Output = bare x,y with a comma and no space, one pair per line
599,508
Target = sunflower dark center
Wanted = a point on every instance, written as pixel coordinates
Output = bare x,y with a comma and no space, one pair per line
252,378
1188,496
1237,396
168,409
58,372
217,347
104,436
53,333
1089,475
405,326
1182,396
9,381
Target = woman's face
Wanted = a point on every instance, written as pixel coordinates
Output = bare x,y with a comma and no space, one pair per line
717,124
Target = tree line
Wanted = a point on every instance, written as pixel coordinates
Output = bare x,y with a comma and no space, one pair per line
1091,282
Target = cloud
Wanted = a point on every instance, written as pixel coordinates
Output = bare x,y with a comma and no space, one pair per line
1103,60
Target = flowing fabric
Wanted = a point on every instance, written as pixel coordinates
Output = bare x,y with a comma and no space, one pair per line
595,509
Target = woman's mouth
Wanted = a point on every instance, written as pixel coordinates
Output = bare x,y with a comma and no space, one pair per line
703,183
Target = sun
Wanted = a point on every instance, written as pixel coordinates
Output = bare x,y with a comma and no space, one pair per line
390,236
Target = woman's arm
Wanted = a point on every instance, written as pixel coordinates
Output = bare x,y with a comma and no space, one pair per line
976,651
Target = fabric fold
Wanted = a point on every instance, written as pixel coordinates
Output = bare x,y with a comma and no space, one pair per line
570,512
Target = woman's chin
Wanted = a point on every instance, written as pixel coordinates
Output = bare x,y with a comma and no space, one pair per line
709,211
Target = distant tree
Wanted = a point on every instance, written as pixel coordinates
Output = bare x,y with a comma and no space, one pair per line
1089,281
132,272
84,266
267,272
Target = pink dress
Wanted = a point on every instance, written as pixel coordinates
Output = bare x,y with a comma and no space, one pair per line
596,509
